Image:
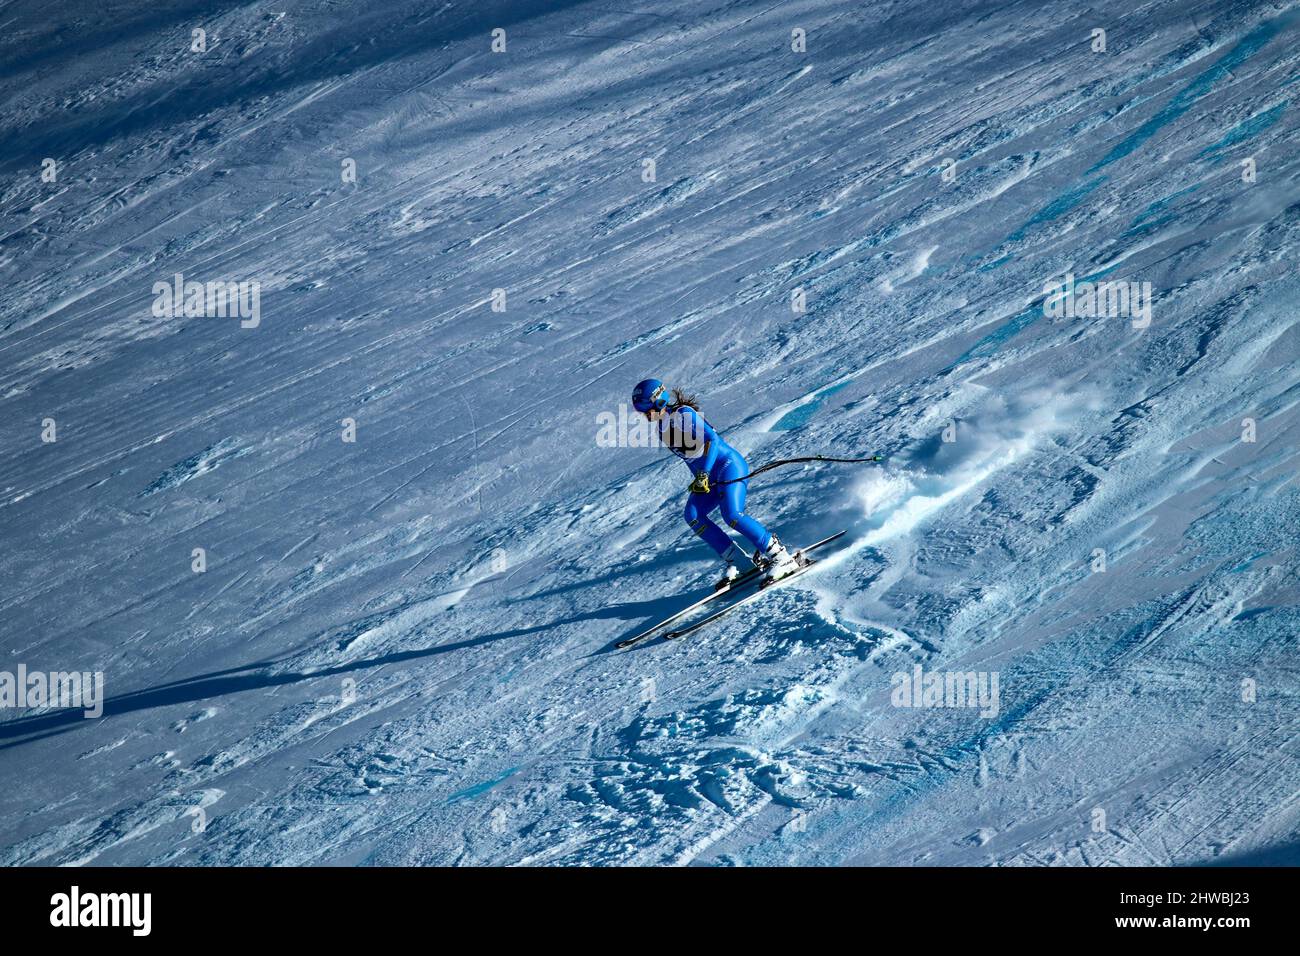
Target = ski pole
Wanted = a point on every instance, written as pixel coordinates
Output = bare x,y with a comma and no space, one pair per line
792,461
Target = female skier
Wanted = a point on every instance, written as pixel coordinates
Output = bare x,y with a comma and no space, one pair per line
715,466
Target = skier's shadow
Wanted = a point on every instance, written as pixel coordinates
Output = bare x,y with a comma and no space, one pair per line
644,612
258,676
662,566
649,611
234,680
641,611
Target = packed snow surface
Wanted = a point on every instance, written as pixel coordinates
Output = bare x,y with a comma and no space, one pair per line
398,649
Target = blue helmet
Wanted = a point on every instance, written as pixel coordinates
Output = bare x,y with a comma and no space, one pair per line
650,394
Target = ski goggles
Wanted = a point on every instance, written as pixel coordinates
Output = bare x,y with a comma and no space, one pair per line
645,403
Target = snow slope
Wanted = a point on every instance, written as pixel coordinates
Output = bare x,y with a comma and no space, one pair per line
401,649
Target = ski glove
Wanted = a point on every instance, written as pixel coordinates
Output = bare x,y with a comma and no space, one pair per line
700,486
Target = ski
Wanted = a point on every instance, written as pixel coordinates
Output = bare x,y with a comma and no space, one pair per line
745,578
805,564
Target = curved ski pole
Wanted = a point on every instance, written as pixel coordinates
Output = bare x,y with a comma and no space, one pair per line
794,461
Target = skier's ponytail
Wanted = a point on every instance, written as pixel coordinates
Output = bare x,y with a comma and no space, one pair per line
680,398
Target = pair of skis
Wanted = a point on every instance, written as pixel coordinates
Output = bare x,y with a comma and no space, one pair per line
745,578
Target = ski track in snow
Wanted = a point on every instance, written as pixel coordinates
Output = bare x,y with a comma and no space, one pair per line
401,649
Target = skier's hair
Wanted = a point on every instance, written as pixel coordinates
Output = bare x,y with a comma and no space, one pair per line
681,397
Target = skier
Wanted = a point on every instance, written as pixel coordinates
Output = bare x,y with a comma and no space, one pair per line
715,466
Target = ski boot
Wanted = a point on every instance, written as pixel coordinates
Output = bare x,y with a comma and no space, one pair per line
729,576
776,562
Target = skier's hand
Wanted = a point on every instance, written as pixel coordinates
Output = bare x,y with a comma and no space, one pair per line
700,486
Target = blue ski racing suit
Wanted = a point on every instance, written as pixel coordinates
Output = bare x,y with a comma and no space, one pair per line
691,438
